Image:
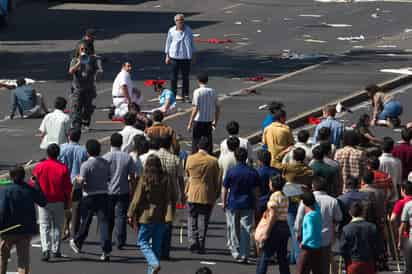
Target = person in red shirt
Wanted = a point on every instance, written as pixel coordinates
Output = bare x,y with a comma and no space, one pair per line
54,179
382,179
403,151
406,192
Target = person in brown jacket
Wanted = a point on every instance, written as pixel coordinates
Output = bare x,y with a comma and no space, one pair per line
202,189
160,129
149,209
296,171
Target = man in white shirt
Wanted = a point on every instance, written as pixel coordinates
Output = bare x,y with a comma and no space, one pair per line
179,50
391,165
123,92
205,113
129,132
232,129
55,126
303,137
228,159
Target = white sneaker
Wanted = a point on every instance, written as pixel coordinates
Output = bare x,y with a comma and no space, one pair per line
105,257
74,247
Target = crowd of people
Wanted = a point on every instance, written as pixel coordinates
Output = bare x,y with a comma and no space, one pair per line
347,193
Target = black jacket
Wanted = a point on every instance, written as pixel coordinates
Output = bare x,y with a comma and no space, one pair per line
17,207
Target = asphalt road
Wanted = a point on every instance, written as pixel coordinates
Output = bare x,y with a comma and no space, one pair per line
40,40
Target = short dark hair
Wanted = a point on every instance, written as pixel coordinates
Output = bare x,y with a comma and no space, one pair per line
350,138
264,156
330,110
373,163
406,134
319,184
356,209
75,134
308,199
60,103
157,116
17,173
317,153
278,114
232,128
139,124
129,118
352,182
203,78
303,135
93,147
388,144
299,154
277,182
323,134
166,141
204,270
326,147
20,82
232,143
275,105
241,155
362,120
203,143
368,177
116,140
407,186
154,142
141,145
53,151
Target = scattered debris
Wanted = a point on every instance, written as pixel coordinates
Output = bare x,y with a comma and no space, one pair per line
259,30
306,36
352,38
256,21
196,34
214,41
311,15
314,41
207,263
157,6
238,23
408,30
287,19
337,25
374,15
256,78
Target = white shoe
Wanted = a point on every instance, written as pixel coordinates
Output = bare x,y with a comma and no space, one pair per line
74,247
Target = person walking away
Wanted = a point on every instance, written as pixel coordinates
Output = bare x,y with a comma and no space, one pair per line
359,243
179,51
406,244
310,255
331,216
27,101
94,179
148,208
72,154
232,129
205,113
277,241
239,197
122,184
55,126
329,121
228,160
303,137
17,201
329,173
391,165
83,67
129,131
202,189
403,151
159,129
54,180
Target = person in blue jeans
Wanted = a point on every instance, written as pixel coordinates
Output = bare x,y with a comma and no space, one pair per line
277,241
148,208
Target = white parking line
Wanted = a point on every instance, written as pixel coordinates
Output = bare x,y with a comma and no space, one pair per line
232,6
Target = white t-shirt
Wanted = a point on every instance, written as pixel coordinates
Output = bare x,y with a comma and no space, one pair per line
56,126
206,100
122,78
128,133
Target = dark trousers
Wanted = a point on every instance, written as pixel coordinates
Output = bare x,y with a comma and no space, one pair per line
276,243
407,254
309,260
82,107
202,129
167,241
182,66
72,220
89,206
118,205
198,221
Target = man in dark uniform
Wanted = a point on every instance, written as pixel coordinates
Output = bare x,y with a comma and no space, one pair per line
83,67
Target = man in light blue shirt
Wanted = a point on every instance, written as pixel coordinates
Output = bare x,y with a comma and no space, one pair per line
179,53
73,155
336,127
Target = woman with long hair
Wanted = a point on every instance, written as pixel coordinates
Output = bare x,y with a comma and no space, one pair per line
149,208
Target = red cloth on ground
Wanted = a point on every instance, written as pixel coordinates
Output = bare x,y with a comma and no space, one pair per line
152,82
256,78
214,41
313,120
360,268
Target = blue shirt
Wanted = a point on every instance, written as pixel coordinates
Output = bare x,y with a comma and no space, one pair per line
336,130
23,99
268,120
73,155
312,228
241,180
265,173
167,94
179,44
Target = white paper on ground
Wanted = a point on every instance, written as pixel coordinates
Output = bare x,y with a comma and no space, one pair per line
207,263
337,25
404,71
351,38
36,245
259,30
196,34
238,23
311,15
408,30
314,41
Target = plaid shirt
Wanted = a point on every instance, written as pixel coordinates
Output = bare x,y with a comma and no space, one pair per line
352,162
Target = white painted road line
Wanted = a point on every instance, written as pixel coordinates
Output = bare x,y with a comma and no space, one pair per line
232,6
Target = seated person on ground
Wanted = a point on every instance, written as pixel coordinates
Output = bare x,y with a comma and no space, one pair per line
167,99
27,101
